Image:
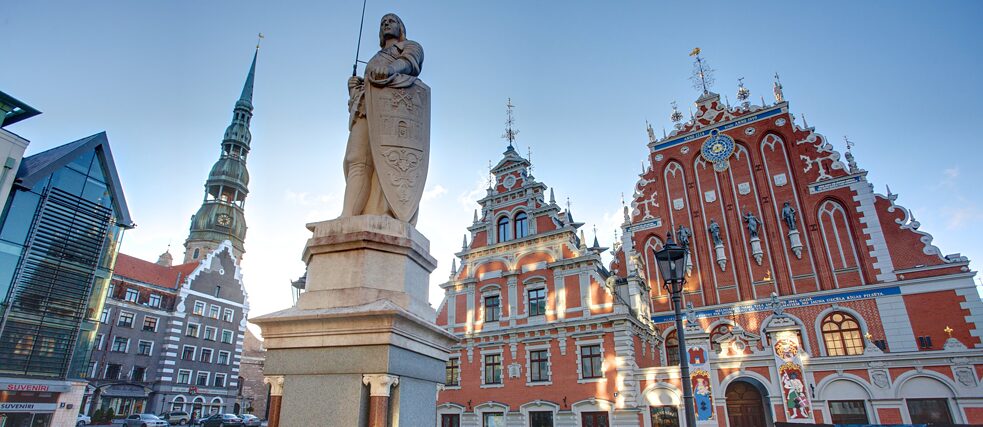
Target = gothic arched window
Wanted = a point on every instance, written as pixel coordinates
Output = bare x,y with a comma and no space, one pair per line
521,225
503,229
842,335
672,349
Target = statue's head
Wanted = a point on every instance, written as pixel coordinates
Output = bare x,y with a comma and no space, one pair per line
391,27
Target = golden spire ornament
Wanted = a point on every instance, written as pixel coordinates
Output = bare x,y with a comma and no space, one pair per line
948,331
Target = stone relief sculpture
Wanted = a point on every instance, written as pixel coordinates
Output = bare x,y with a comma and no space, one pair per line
388,151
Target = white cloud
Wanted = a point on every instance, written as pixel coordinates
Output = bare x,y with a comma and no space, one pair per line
434,192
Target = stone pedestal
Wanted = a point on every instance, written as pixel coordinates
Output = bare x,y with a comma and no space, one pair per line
756,251
795,243
721,256
363,318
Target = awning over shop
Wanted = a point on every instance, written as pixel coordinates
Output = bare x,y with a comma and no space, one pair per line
125,390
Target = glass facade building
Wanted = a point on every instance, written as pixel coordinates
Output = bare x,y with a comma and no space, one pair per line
59,235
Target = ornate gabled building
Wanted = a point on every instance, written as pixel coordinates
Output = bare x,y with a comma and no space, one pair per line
171,336
547,335
221,215
814,298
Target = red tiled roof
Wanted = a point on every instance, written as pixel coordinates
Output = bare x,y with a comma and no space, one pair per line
148,272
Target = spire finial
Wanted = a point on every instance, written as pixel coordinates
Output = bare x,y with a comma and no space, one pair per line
676,116
510,131
259,38
490,175
702,73
743,93
552,197
779,96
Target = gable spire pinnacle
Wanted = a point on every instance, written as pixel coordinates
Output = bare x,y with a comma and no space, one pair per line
247,88
510,131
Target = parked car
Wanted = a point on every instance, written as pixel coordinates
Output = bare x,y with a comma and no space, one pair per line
250,420
144,420
222,420
82,420
176,417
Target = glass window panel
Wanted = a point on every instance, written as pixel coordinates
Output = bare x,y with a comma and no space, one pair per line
848,412
68,181
929,411
19,216
82,162
96,192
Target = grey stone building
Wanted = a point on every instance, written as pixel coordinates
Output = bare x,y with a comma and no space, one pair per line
171,336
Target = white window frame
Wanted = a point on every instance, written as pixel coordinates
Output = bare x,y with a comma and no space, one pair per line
455,355
549,364
211,354
228,315
225,380
100,338
194,352
177,379
150,353
546,300
216,309
156,324
126,349
133,319
228,357
492,352
107,313
128,292
604,365
197,329
214,333
151,298
133,368
95,366
231,333
199,311
208,376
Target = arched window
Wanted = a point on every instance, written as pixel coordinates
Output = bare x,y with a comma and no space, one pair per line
842,335
672,349
177,404
503,229
521,225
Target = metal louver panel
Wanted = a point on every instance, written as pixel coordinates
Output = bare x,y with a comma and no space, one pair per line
52,284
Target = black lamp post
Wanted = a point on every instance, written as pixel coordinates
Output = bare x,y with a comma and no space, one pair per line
672,264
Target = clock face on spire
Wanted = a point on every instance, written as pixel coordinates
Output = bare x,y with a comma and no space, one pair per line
223,220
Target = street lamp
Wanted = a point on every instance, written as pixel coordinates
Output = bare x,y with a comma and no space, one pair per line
672,265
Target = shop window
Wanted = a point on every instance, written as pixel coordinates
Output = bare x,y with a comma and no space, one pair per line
929,411
450,420
848,412
594,419
842,335
540,419
664,416
493,419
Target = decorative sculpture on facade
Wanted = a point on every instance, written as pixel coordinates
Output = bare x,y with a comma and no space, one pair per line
788,215
753,225
388,151
718,244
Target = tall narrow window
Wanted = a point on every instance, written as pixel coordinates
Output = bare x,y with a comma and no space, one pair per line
492,308
841,334
453,372
672,349
503,229
539,366
493,369
537,302
521,225
590,361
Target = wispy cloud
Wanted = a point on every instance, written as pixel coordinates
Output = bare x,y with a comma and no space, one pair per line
434,192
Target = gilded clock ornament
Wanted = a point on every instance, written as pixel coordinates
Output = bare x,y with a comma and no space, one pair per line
224,220
717,149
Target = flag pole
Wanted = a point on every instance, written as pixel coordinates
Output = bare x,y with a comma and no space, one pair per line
358,47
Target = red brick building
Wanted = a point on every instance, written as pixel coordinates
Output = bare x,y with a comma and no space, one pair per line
814,298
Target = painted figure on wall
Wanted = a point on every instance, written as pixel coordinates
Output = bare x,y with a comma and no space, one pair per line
701,395
791,376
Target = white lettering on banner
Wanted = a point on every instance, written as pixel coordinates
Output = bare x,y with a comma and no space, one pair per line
26,407
5,386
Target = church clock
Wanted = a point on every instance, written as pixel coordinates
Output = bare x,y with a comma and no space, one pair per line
224,220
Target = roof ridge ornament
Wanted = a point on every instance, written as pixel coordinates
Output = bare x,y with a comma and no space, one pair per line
702,73
510,131
743,93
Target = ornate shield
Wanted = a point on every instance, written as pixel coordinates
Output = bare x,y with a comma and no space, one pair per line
399,133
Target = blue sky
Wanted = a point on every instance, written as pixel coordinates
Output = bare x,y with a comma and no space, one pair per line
162,77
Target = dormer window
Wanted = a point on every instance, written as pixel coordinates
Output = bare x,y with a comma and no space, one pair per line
521,225
503,229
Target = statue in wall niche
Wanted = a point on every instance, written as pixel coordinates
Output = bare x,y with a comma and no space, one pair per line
682,235
714,230
788,215
388,151
752,224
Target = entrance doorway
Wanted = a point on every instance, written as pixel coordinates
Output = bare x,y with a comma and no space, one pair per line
745,406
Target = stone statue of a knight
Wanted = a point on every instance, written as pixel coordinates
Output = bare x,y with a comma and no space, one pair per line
388,150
